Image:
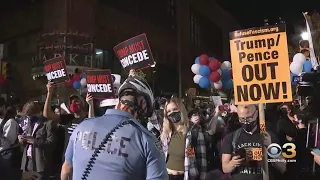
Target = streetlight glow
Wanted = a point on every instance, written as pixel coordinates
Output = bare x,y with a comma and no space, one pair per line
305,36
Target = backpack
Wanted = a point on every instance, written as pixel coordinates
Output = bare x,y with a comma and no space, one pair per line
235,137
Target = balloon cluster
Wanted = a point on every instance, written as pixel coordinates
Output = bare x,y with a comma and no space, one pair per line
209,71
78,80
299,64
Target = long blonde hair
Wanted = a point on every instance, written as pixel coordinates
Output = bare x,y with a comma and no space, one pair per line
168,127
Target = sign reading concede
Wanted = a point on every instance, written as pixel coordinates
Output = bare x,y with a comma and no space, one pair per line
261,57
100,84
56,70
134,53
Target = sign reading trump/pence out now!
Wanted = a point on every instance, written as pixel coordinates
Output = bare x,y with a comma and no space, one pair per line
262,73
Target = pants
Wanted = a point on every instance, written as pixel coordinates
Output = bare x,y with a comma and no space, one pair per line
176,177
41,176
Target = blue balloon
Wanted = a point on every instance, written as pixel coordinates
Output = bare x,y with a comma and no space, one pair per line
307,66
204,70
225,75
204,82
76,85
83,76
227,84
211,58
197,61
292,80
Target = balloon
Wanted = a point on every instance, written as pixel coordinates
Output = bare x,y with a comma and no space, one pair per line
76,77
231,75
196,78
204,70
76,84
219,71
2,80
196,61
292,78
214,76
204,59
307,66
225,75
204,82
83,76
218,85
211,58
195,68
296,68
214,65
299,58
226,65
227,84
83,82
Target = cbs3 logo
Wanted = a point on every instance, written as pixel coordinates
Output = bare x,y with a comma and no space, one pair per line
274,150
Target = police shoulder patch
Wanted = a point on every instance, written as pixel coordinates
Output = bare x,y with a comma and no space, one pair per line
158,145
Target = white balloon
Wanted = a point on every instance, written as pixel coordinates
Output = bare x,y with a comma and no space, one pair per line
219,71
226,65
195,68
299,58
296,68
196,78
83,82
218,85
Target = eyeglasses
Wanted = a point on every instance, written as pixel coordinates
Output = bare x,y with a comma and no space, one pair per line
248,119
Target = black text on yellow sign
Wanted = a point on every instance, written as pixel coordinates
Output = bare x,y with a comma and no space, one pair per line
261,65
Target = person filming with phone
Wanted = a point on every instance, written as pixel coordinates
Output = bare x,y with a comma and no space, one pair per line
240,148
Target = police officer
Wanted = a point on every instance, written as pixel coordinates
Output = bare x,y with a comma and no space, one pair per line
116,145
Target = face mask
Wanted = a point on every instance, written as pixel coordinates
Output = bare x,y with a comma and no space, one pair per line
175,117
75,108
249,126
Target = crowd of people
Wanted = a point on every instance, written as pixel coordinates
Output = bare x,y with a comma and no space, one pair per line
112,141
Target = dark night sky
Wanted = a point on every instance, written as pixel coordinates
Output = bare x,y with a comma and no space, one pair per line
250,13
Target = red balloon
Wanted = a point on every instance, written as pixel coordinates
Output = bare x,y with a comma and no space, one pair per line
231,75
214,65
215,76
204,59
2,79
76,77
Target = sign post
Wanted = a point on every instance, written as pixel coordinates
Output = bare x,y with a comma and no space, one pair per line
262,74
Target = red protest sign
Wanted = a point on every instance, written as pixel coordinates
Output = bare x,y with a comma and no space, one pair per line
100,84
134,53
56,70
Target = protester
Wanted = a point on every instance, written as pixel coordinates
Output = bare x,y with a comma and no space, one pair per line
234,158
130,150
186,159
38,142
9,149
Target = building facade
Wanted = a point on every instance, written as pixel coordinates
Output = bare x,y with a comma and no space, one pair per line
102,24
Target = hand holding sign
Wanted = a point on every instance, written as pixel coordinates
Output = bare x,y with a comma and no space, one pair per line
100,84
56,70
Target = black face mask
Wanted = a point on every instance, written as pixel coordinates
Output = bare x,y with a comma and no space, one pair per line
175,117
249,126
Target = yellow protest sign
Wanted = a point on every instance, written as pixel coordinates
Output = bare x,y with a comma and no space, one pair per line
261,65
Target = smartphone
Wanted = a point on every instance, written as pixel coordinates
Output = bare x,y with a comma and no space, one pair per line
224,108
241,152
317,151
